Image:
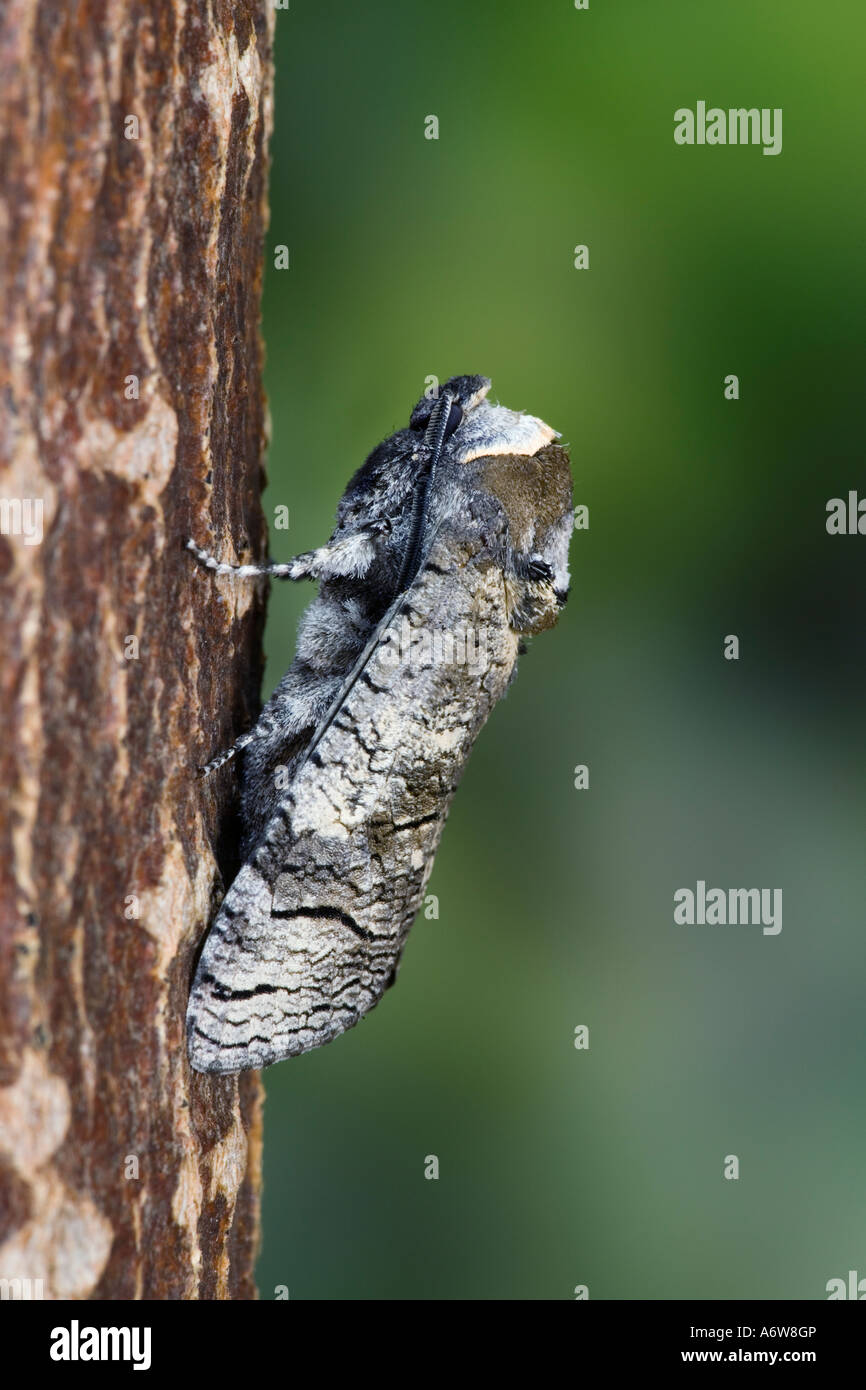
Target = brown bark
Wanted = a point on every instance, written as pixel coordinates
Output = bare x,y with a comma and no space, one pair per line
124,257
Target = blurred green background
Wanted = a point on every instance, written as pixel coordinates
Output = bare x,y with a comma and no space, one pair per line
412,257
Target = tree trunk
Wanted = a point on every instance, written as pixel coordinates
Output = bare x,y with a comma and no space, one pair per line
135,160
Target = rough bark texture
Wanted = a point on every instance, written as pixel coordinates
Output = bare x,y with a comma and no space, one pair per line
125,257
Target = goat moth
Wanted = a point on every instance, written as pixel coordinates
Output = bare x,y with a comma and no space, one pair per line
451,543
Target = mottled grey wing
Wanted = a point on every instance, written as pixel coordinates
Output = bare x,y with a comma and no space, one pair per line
310,933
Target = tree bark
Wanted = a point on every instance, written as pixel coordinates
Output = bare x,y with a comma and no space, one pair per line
125,252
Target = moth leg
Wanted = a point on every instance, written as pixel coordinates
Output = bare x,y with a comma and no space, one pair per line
228,753
533,600
348,557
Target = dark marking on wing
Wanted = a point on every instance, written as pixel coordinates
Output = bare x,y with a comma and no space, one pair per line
333,914
419,820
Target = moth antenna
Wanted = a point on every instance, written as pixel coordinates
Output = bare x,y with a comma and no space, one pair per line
359,665
434,438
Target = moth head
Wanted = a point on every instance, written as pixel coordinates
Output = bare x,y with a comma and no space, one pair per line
466,392
535,493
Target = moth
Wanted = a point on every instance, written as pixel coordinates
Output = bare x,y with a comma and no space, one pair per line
452,538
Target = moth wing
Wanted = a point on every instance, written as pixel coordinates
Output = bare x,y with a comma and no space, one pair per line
283,971
311,931
310,934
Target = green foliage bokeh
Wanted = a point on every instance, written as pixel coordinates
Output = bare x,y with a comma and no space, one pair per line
412,257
